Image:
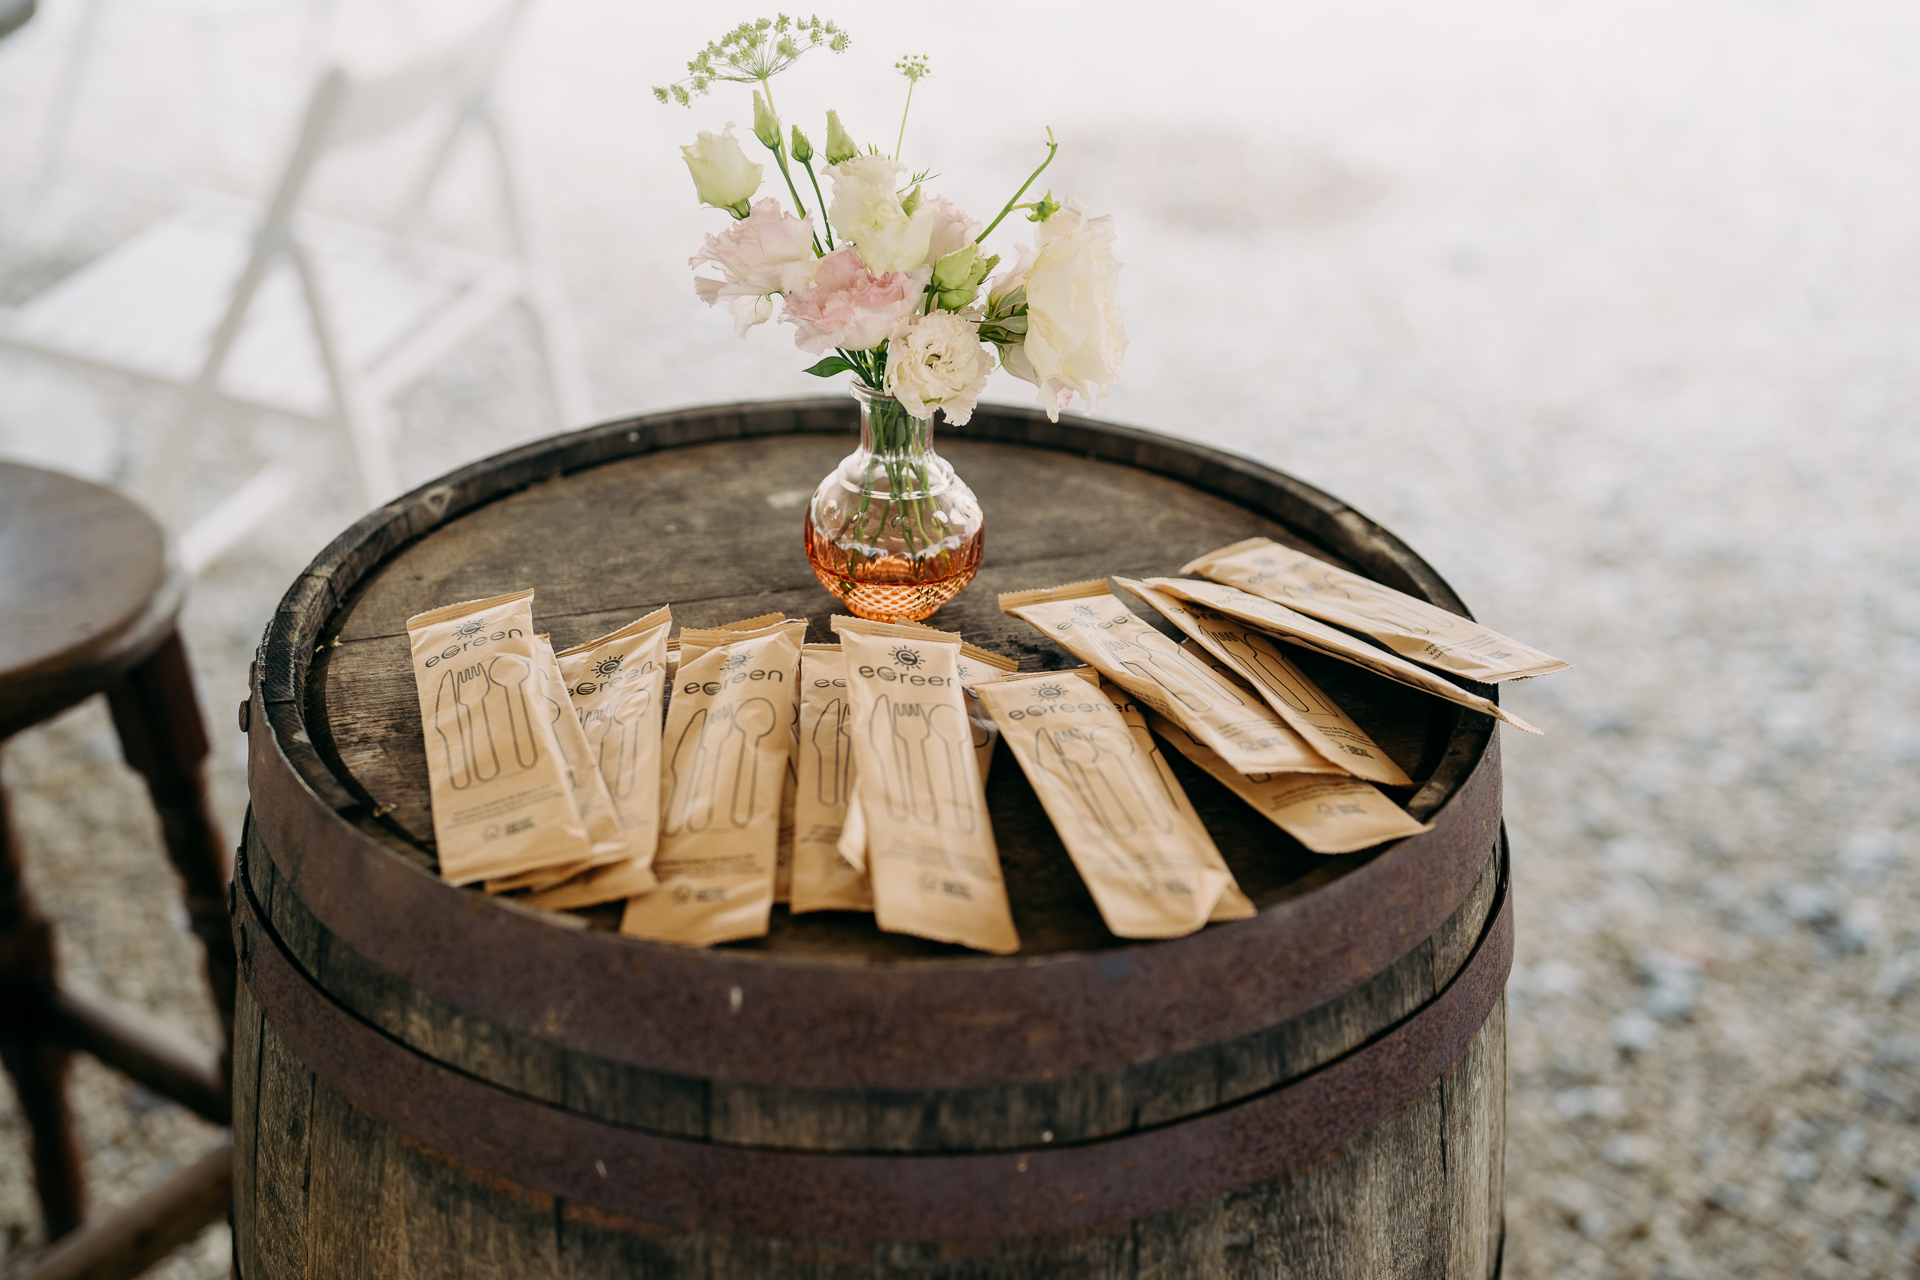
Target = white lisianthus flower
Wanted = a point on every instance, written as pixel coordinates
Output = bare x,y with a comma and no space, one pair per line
722,174
752,252
1075,339
867,212
936,361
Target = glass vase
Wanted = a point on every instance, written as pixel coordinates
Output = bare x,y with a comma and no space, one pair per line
892,530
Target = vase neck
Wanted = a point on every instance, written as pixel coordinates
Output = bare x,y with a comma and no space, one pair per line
887,428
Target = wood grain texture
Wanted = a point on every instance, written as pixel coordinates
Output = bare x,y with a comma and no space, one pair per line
1381,1208
85,591
1079,1108
713,530
702,509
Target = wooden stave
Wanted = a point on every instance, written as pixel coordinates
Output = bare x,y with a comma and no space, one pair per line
975,1206
1004,1115
1125,1253
329,817
345,1195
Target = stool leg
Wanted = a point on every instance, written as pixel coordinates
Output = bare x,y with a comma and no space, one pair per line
160,731
38,1066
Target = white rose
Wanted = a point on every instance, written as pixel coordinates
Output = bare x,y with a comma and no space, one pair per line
722,174
1075,338
867,212
936,361
752,253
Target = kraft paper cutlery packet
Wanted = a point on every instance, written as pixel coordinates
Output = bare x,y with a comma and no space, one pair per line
1411,627
1310,633
930,851
1255,658
974,666
1090,622
1153,870
615,685
498,784
822,879
744,624
783,854
1325,814
590,794
724,758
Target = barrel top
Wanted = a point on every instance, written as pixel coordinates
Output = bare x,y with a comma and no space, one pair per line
702,509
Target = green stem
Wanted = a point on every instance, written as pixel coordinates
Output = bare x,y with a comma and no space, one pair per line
903,118
824,224
1052,149
779,150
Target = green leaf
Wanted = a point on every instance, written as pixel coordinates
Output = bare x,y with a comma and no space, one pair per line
828,367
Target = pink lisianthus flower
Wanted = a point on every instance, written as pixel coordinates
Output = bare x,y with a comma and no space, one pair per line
752,252
836,302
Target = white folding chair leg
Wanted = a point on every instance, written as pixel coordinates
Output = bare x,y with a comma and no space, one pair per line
566,373
363,416
176,443
222,528
369,430
559,343
66,95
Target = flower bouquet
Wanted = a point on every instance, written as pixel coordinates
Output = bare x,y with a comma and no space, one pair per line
889,287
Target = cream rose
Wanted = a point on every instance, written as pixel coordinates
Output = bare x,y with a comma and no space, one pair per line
752,253
867,212
936,361
722,174
1075,339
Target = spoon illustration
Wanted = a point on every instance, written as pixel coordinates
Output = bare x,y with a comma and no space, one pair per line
752,721
949,727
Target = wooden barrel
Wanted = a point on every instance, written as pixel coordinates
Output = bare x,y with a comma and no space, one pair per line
430,1082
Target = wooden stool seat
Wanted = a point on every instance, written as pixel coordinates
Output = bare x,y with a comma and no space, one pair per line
85,592
88,600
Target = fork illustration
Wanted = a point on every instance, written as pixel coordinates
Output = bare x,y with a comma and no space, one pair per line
1174,672
911,732
1275,673
614,733
1101,770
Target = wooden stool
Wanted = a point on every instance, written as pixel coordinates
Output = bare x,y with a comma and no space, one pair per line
87,605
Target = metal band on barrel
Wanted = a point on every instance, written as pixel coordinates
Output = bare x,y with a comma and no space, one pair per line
968,1022
646,1182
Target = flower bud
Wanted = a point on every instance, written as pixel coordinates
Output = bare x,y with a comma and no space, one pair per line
911,201
1045,208
956,270
839,145
722,174
765,126
802,149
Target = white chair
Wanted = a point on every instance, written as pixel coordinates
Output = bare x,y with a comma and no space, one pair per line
289,312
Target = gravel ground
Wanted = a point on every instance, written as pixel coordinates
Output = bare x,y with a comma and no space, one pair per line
1608,312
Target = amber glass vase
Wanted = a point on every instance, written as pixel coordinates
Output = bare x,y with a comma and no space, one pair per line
892,530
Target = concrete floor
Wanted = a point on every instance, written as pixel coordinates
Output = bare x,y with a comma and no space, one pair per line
1610,312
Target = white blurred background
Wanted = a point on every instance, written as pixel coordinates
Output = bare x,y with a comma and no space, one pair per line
1610,311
